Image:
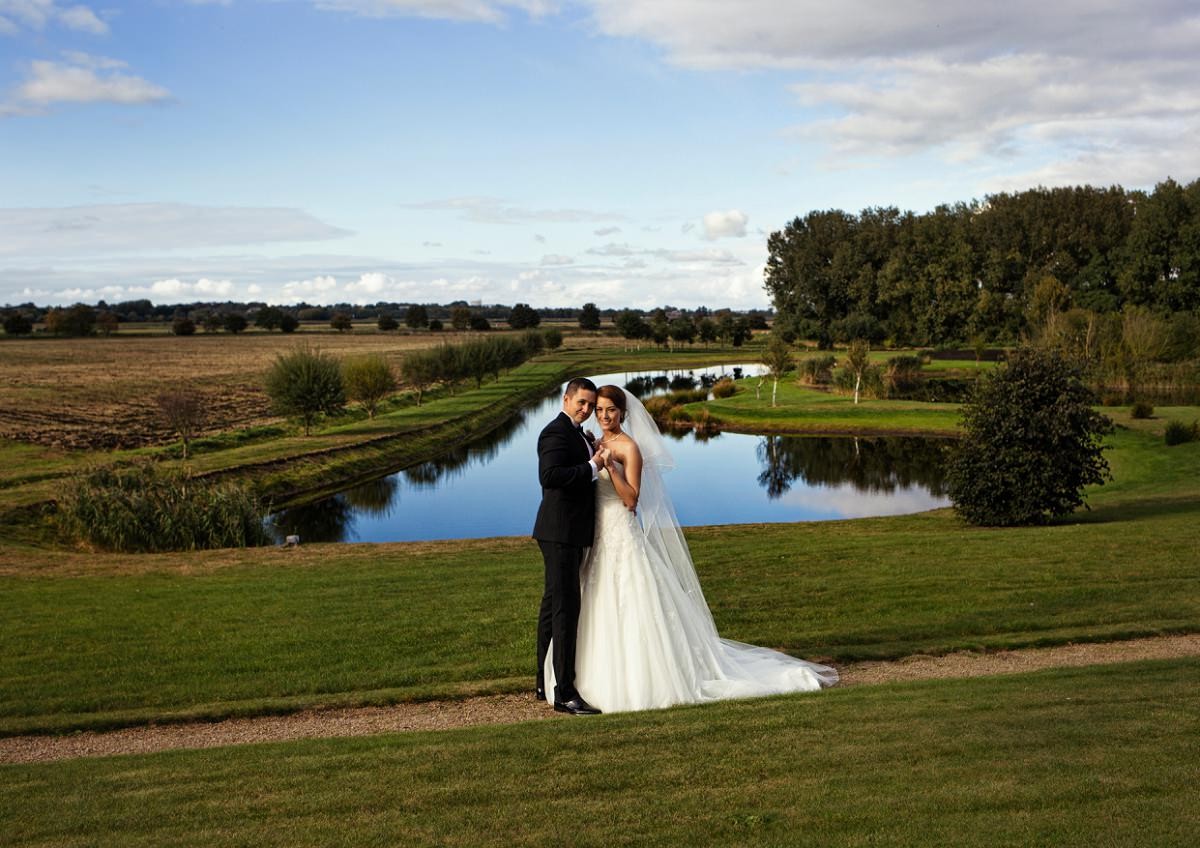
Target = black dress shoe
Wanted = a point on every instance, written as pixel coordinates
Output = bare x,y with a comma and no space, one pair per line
539,693
575,706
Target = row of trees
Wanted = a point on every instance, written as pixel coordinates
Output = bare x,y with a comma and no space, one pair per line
307,383
663,329
988,268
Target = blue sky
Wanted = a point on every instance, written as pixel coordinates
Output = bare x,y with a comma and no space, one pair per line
627,153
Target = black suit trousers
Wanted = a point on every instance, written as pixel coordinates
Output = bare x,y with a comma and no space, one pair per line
559,615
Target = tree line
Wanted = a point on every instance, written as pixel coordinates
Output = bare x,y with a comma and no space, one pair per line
990,269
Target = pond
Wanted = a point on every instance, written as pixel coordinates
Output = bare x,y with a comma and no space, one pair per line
489,487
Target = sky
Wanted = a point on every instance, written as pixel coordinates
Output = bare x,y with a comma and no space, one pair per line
631,153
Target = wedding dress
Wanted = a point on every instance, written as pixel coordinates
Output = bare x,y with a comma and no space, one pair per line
646,637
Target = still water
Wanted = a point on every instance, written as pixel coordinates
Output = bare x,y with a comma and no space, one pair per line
489,487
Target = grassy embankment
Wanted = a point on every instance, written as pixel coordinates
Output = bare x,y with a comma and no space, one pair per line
1085,757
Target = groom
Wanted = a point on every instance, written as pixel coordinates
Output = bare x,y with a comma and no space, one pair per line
566,519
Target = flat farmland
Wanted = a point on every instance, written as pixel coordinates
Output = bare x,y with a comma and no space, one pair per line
99,393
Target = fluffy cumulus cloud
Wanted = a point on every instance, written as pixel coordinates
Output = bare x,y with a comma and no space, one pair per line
79,78
1098,92
115,228
175,290
731,224
37,15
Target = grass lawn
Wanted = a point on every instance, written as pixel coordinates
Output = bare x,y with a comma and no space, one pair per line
106,640
1105,755
803,410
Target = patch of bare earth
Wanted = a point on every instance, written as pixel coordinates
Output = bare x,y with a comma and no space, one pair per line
510,709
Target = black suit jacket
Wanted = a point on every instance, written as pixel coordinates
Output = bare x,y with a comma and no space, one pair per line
567,513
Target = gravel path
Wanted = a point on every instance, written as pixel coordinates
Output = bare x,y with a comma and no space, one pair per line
509,709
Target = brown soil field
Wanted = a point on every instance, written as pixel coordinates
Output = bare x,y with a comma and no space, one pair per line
99,393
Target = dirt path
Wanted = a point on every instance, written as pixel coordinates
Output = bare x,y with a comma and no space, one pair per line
509,709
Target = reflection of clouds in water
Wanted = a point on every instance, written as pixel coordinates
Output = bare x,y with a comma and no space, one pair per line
846,501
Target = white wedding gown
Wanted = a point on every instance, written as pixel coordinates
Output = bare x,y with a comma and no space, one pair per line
646,638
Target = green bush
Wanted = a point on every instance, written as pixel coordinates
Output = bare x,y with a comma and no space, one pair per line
1141,409
554,338
534,341
306,383
724,388
368,379
688,396
143,509
1031,443
1179,433
872,381
815,370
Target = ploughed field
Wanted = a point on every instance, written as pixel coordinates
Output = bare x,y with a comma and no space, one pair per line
99,393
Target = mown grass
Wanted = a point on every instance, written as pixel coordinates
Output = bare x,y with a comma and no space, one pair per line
110,640
804,410
1105,755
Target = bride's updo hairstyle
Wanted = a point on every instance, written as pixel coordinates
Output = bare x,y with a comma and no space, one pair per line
616,394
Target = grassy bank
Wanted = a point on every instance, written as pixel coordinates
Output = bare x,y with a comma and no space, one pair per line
107,640
1094,756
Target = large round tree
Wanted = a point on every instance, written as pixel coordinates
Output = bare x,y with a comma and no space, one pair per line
1032,442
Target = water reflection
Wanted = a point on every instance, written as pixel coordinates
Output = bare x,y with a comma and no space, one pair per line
876,465
488,487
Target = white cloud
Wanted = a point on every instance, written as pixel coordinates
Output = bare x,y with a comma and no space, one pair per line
481,11
556,259
491,210
81,79
606,231
83,19
37,14
175,290
116,228
1088,92
731,224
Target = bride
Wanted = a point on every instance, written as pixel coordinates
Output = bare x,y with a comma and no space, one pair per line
646,638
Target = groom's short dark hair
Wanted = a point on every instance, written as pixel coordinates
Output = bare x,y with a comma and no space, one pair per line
579,383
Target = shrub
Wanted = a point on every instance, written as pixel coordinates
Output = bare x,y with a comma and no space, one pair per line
870,382
288,323
1031,444
480,324
688,396
554,338
183,326
368,380
387,323
183,412
416,316
17,324
677,414
305,383
903,373
341,321
658,406
1112,399
234,322
1141,409
1179,433
523,317
534,342
815,370
724,388
142,509
435,325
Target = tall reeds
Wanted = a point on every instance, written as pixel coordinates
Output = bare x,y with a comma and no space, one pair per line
143,509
